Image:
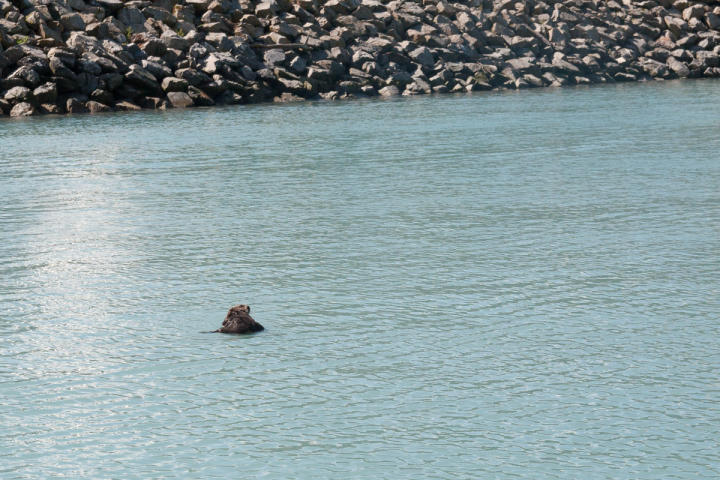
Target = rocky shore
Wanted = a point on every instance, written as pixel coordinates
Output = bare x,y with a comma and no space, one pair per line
69,56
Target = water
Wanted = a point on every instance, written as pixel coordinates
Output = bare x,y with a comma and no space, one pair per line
503,285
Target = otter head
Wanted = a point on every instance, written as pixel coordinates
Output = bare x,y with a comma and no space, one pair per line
242,308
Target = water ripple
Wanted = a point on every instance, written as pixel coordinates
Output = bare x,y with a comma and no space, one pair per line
501,285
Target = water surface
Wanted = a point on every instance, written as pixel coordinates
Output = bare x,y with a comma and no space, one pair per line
502,285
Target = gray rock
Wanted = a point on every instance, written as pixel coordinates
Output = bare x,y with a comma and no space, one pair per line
111,81
102,96
26,76
160,14
131,16
73,105
174,84
680,69
200,98
97,107
154,47
180,99
274,57
111,5
200,6
49,108
192,76
708,59
694,11
653,67
523,64
712,20
298,65
423,56
67,57
389,91
81,42
142,79
156,69
18,95
22,109
220,41
98,30
266,9
127,106
46,93
88,64
72,21
174,41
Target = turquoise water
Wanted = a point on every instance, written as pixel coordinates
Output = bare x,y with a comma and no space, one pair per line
502,285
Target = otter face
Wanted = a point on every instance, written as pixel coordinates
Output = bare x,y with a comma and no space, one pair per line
244,308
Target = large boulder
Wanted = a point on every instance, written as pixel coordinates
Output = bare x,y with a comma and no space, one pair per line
680,69
22,109
423,56
18,94
72,22
142,79
46,93
174,84
180,99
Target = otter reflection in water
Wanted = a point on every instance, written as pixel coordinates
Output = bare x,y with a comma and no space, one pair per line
238,320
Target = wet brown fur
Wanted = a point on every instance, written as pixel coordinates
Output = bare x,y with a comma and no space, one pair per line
238,320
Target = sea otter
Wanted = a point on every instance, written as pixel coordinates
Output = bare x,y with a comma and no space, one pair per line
238,320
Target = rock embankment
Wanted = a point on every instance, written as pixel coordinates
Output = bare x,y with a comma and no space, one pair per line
67,56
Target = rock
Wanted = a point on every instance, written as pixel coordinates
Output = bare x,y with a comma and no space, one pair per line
180,99
18,94
131,16
25,76
200,98
154,103
423,56
712,20
46,93
174,41
654,68
708,59
22,109
675,25
59,69
154,47
266,9
200,6
174,84
72,21
695,11
389,91
680,69
286,97
127,106
103,50
156,69
111,5
49,108
97,107
73,105
102,96
298,65
192,76
274,57
160,14
142,79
